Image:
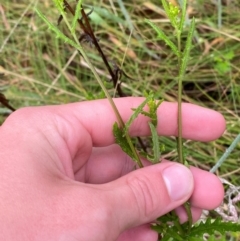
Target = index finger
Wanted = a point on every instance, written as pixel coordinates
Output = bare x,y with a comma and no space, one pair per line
198,123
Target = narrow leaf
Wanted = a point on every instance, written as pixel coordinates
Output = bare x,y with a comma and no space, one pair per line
155,141
121,140
58,33
162,36
59,5
187,49
136,112
153,106
211,227
183,14
166,8
76,16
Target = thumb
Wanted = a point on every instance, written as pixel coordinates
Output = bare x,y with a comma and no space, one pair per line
132,200
145,194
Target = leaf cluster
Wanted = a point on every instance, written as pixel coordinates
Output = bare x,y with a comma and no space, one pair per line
177,19
120,134
171,230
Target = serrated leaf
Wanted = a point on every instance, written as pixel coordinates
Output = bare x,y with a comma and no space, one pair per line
187,49
121,140
136,112
153,106
172,12
183,15
155,141
59,5
209,227
172,234
76,15
168,217
162,36
58,33
152,112
166,7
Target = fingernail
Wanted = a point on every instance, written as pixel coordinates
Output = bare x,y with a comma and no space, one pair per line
179,181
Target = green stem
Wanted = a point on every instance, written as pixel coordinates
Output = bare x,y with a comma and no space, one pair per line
179,138
189,214
137,158
118,116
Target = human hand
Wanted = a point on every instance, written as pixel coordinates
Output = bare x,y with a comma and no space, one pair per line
63,178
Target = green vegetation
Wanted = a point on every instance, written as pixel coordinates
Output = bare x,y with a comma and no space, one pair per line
41,69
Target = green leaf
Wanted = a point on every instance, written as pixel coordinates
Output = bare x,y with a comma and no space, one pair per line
58,33
174,18
222,67
59,5
153,106
162,36
229,55
166,7
121,140
136,112
171,236
210,227
156,148
172,12
187,49
183,15
152,112
76,16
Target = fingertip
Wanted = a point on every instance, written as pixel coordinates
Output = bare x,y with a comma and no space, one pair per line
207,124
208,191
198,123
218,125
150,192
179,181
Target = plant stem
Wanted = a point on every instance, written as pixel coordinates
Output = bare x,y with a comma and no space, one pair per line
189,214
179,138
118,116
81,50
137,158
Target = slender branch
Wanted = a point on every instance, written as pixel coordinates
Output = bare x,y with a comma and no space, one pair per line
83,53
179,138
114,74
88,30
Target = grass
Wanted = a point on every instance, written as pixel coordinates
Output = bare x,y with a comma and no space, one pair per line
42,70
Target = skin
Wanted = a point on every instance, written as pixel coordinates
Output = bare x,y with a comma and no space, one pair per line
63,178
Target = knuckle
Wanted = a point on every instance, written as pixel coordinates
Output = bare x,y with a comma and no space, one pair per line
143,193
